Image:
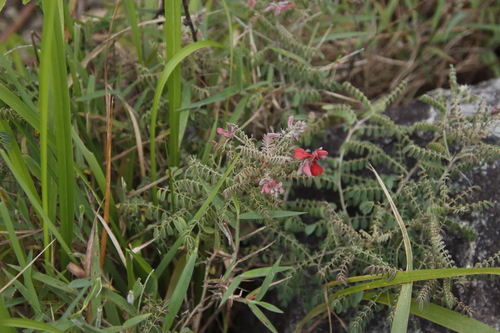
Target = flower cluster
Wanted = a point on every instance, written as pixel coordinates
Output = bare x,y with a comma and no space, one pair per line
271,142
270,186
295,129
310,165
278,7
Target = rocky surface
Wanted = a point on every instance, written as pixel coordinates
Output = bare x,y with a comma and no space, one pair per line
482,296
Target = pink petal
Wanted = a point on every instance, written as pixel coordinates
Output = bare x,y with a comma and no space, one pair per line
224,133
270,7
306,167
290,121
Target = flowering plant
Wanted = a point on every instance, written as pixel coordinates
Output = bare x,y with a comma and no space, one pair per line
272,162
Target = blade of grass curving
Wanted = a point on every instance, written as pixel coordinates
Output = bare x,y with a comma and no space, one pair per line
402,314
32,324
165,74
181,288
442,316
400,278
132,19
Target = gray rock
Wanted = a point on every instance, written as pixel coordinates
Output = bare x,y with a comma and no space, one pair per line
482,296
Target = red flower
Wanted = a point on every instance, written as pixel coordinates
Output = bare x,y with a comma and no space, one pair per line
310,166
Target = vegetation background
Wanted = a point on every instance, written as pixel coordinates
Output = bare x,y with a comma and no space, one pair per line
126,208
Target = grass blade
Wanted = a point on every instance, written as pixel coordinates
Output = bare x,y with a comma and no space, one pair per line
162,81
62,126
443,316
402,314
32,324
262,317
400,278
181,288
132,19
4,316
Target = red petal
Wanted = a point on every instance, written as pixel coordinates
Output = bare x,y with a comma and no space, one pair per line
301,153
316,169
318,154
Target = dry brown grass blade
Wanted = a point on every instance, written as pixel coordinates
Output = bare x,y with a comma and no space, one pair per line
21,234
107,196
109,139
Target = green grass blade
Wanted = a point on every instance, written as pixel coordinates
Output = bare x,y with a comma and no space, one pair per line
44,107
172,28
220,96
181,289
231,53
400,278
31,294
262,317
162,81
4,316
14,242
214,192
168,257
133,23
18,163
402,314
136,320
19,87
26,185
442,316
20,107
64,144
31,324
268,280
